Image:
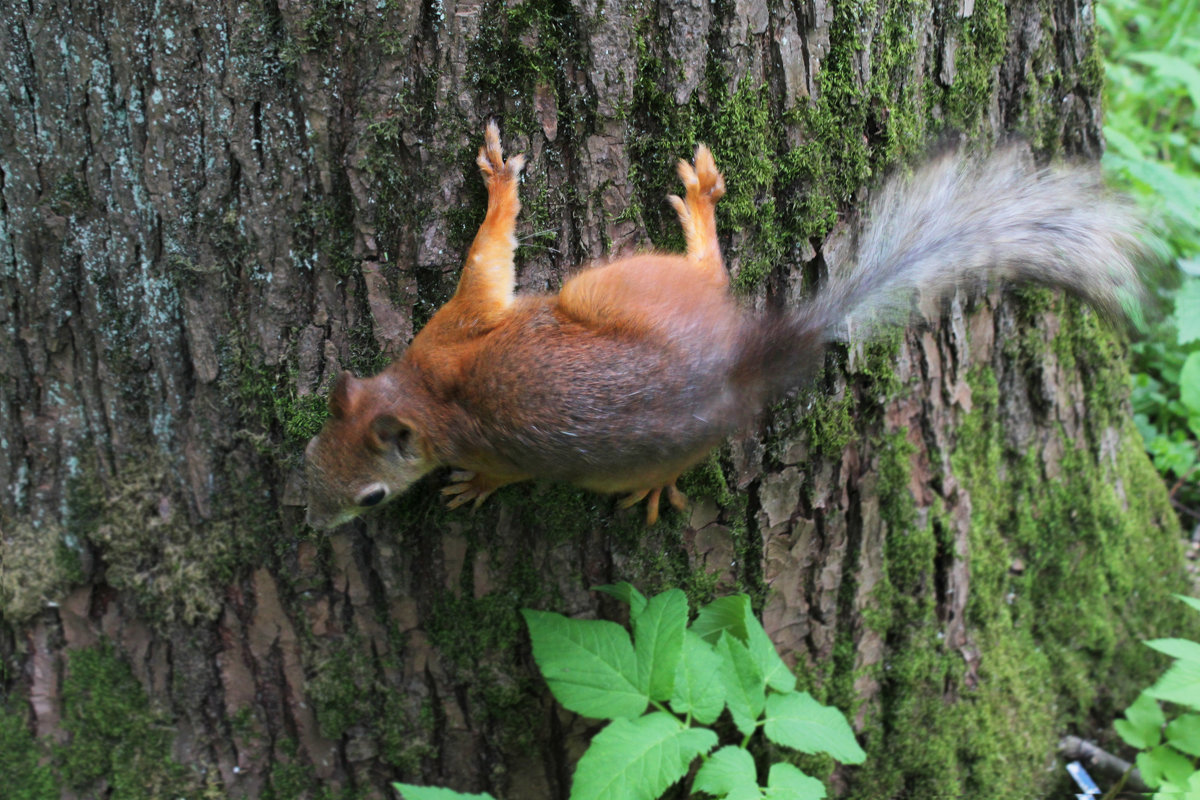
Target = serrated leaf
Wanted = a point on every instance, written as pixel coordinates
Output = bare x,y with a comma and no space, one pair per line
1191,601
589,665
1177,648
745,690
786,782
721,615
1179,684
798,721
1142,726
762,650
1164,764
628,594
1184,734
409,792
658,642
698,687
638,759
730,773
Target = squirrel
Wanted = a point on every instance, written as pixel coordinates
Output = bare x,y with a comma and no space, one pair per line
638,367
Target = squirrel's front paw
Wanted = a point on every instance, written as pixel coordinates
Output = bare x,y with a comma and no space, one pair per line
466,486
491,158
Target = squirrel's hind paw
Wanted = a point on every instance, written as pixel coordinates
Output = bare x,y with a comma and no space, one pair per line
703,179
491,158
675,497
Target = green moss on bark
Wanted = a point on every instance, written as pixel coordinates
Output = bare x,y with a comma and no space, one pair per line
115,735
26,777
1065,579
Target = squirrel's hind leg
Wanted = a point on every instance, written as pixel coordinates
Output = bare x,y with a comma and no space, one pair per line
675,497
485,290
697,214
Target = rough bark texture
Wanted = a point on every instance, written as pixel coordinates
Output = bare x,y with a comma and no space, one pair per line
207,209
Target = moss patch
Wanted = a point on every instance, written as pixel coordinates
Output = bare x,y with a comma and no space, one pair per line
25,777
114,733
1057,636
982,44
146,544
782,196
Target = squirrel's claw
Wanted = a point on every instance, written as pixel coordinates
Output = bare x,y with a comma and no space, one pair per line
467,486
703,179
491,158
675,497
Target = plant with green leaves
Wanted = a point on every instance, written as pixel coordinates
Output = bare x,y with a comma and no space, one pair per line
1170,750
1152,110
664,687
1152,124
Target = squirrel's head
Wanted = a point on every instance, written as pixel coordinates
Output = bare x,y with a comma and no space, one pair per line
368,452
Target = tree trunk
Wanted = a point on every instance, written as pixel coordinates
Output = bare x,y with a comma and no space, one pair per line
207,210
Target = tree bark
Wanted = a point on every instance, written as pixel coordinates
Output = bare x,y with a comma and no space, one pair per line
208,209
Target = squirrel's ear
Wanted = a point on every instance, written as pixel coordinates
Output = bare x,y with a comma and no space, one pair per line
388,431
344,396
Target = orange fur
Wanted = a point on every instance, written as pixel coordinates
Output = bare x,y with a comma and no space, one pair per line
429,394
637,368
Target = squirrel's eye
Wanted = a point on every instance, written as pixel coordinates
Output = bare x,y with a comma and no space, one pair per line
372,496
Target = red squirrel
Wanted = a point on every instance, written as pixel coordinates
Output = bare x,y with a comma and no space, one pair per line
637,368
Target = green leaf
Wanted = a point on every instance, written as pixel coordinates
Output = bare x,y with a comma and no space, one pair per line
721,615
1173,68
638,759
1189,383
1191,601
1164,764
1188,790
1184,734
1177,648
589,665
1187,311
785,782
658,642
1179,684
698,687
745,690
798,721
409,792
729,773
762,650
1142,726
628,594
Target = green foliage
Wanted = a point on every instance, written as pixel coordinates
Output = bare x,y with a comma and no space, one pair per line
1166,390
590,666
1153,111
408,792
1169,755
659,690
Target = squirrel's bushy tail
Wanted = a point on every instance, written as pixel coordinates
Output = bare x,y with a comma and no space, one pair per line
962,220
